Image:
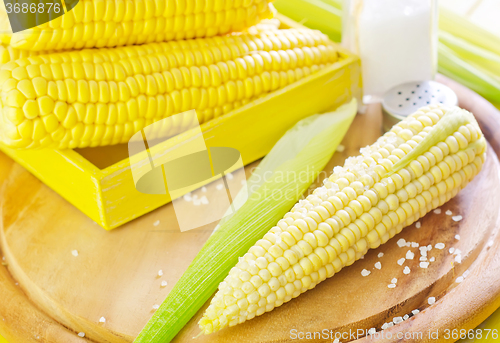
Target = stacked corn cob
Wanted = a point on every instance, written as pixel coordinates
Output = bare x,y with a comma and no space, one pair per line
95,97
419,165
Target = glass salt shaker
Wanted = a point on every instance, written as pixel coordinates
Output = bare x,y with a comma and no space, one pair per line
396,40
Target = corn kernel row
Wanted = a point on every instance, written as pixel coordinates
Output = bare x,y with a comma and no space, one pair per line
112,23
101,97
358,208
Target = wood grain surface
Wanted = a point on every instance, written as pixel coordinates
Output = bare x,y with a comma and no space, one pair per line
115,274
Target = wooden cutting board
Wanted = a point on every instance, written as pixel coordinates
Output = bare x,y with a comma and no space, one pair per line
47,294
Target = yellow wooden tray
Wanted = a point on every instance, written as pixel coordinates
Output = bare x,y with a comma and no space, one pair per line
99,181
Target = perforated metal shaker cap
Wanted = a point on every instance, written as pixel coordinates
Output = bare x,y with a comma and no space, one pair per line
405,99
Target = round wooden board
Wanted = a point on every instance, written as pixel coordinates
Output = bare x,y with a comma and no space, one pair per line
115,274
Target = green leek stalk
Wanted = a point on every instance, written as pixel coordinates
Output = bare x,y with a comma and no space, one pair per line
303,151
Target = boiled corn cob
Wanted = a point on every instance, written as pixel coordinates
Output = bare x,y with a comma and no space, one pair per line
417,166
111,23
102,97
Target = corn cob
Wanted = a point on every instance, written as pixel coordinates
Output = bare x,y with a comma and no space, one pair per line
417,166
112,23
102,97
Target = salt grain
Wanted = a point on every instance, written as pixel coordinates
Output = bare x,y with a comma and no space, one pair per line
164,283
229,176
365,272
439,246
437,211
203,189
340,148
155,307
401,261
457,218
372,331
336,340
415,312
394,280
429,247
410,255
424,265
406,317
397,320
458,259
418,225
406,270
432,259
401,242
380,254
385,326
423,258
74,253
452,250
459,279
160,272
391,285
219,186
414,244
449,213
81,334
187,197
156,223
457,237
378,265
102,320
490,244
431,300
204,200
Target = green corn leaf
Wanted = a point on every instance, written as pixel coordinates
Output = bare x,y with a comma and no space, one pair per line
302,152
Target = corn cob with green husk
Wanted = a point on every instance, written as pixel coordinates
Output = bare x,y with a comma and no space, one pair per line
419,165
98,97
111,23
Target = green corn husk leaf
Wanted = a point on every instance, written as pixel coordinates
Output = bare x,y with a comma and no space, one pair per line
304,150
462,28
451,65
323,15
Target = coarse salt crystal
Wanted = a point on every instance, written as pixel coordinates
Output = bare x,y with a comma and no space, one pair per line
365,272
336,340
490,243
385,326
432,259
74,253
449,213
429,247
437,211
431,300
156,223
452,250
394,280
340,148
414,244
405,317
423,258
457,218
372,331
458,259
406,270
187,197
219,186
459,279
397,320
204,200
466,273
380,254
418,225
440,246
424,264
81,334
401,261
155,307
408,244
457,237
203,189
415,312
102,320
164,283
378,265
391,285
160,272
401,242
410,255
229,176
